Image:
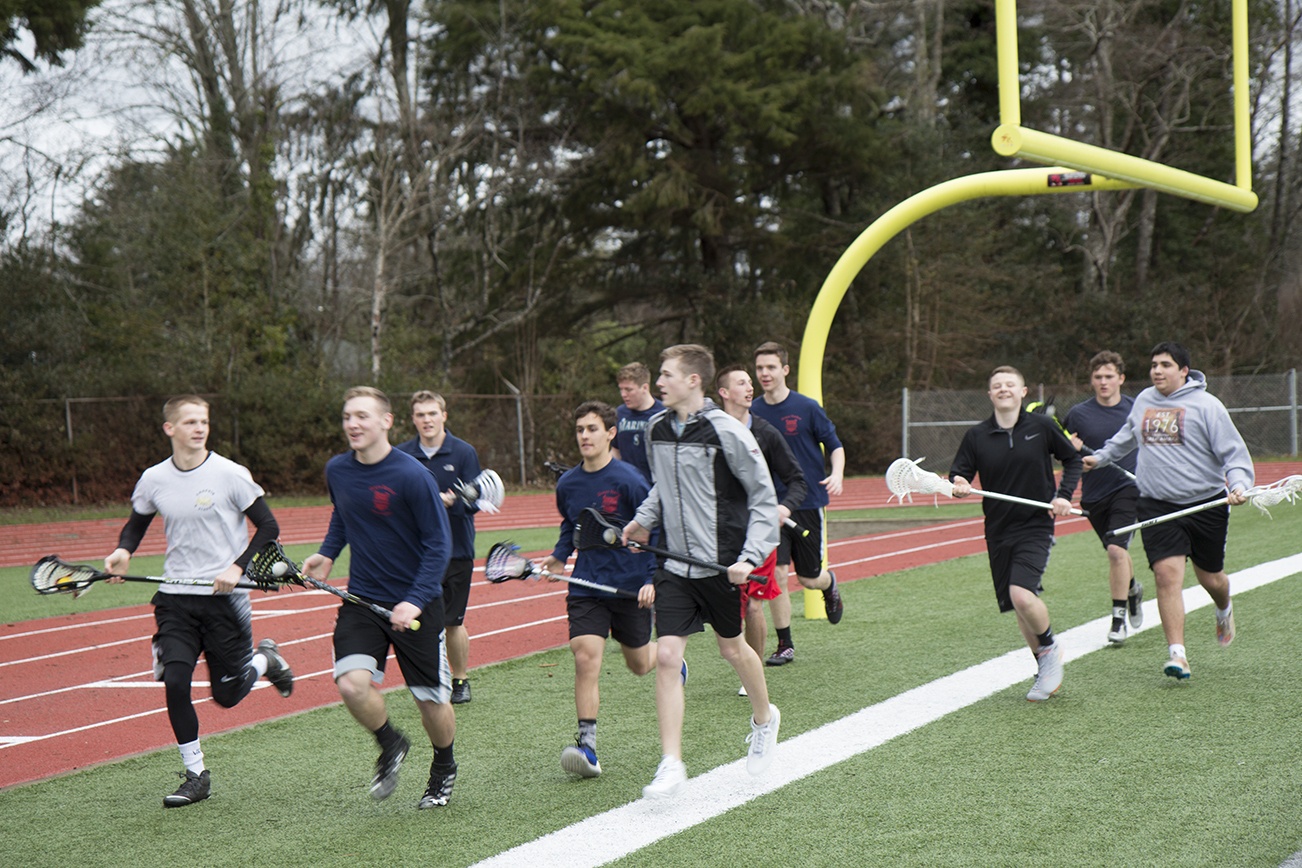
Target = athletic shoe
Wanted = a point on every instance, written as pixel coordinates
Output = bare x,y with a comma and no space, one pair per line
832,601
1117,635
1049,678
578,759
669,777
1135,603
387,768
278,671
684,672
460,691
763,742
741,691
1177,667
781,657
439,788
1225,627
194,788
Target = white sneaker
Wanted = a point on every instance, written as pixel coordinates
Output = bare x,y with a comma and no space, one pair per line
669,777
1049,679
763,742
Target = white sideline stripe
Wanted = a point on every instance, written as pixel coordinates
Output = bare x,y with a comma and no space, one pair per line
624,830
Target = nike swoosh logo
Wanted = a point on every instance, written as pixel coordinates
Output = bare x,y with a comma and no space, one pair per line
1031,436
226,678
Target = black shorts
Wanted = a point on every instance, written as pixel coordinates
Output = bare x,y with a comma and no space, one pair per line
362,639
683,605
1019,561
805,552
220,626
456,591
609,616
1199,536
1115,510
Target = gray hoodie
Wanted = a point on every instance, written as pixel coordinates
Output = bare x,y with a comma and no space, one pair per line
1189,449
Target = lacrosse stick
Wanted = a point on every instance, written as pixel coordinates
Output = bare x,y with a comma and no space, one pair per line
1047,409
595,531
271,564
54,576
556,469
905,477
485,492
1261,496
505,562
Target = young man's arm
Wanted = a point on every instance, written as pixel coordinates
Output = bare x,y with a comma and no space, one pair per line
119,560
1227,444
747,464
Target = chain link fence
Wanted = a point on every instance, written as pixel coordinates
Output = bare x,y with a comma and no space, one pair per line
1264,408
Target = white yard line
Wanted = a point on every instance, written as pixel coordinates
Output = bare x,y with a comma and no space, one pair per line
621,831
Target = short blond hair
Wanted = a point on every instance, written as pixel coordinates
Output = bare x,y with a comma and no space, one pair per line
634,372
1005,369
172,409
694,359
425,396
369,392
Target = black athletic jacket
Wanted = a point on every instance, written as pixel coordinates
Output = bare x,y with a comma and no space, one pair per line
1017,462
788,478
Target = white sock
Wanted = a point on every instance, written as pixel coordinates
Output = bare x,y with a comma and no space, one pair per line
1221,613
259,663
192,756
1178,651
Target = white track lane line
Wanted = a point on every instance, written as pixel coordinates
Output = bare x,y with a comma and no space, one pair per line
621,831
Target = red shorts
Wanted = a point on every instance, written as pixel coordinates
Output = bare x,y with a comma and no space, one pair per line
765,589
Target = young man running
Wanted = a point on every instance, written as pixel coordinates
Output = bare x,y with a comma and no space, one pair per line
614,488
638,406
204,500
713,495
451,460
809,433
1013,453
387,511
736,392
1189,453
1109,497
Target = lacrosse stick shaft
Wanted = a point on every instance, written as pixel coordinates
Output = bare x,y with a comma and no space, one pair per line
596,586
1022,500
164,580
351,598
1140,525
674,556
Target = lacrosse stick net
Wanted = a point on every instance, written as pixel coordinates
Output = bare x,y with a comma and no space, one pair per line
485,492
1265,496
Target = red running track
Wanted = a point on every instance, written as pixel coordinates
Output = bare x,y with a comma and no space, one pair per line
77,690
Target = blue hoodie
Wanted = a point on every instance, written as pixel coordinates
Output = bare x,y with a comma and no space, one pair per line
1189,449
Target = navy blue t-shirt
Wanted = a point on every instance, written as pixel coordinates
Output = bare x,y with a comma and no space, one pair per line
455,460
630,436
615,490
1094,424
803,422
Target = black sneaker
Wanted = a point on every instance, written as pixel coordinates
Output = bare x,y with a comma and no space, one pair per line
460,691
781,657
439,789
387,768
195,788
278,671
832,601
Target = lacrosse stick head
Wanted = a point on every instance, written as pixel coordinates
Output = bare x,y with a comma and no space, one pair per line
504,562
596,531
485,492
54,576
1286,489
904,477
270,567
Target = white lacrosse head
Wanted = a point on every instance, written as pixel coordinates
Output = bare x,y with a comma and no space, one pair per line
491,492
1287,489
904,477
